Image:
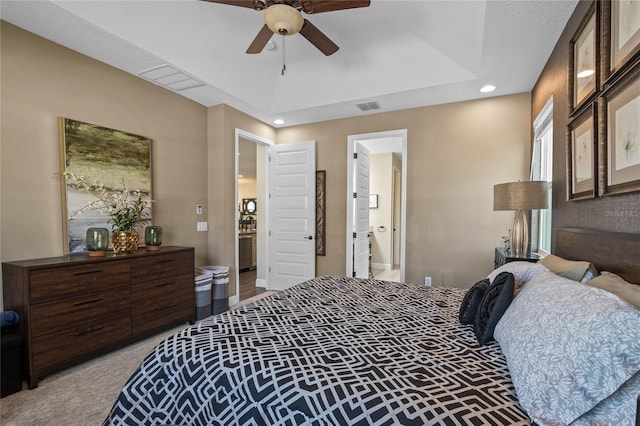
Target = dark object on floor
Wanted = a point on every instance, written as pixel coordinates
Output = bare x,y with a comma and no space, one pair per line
9,319
11,356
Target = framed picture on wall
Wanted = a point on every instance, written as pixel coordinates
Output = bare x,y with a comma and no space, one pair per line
321,210
112,162
584,68
623,18
620,137
581,156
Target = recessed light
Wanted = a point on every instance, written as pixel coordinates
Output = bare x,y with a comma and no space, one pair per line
488,88
278,121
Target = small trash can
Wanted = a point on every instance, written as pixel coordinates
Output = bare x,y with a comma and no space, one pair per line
203,294
11,356
219,287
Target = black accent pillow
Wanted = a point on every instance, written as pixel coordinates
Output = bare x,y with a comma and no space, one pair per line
471,301
494,303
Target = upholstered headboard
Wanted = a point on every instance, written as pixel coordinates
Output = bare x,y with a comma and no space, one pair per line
616,252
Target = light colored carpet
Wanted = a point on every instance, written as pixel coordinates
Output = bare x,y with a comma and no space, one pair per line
83,394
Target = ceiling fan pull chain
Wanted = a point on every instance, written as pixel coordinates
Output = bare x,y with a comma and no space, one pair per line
284,66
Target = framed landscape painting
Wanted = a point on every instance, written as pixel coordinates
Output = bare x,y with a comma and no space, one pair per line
101,156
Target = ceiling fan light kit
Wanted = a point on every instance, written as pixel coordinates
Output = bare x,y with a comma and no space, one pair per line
283,19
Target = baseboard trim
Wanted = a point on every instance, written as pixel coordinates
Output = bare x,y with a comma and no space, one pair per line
261,283
383,266
234,300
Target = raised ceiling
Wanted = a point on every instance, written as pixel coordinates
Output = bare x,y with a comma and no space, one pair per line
400,54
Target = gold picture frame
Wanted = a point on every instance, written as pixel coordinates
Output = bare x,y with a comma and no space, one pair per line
101,156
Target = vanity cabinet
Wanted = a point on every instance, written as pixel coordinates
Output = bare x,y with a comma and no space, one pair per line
76,307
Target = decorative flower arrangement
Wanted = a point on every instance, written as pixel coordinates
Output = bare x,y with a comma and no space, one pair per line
125,208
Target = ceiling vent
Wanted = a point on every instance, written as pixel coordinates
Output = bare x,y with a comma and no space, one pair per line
171,78
368,106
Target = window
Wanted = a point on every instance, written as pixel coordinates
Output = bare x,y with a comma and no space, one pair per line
542,169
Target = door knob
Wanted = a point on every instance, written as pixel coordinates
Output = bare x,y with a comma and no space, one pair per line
308,238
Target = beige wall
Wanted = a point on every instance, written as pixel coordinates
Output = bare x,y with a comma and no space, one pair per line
455,154
42,81
223,121
380,183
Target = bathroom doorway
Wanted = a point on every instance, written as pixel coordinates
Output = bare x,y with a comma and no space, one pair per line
251,207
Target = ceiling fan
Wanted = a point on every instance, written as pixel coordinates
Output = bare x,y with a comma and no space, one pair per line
285,17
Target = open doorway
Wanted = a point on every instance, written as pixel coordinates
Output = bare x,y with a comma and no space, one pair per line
251,208
385,166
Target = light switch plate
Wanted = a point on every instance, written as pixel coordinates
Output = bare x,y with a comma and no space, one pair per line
198,208
202,226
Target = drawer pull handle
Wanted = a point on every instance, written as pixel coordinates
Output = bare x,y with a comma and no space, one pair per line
167,261
166,307
165,284
87,302
88,272
87,331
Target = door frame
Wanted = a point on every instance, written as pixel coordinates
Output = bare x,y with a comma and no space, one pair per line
351,143
258,140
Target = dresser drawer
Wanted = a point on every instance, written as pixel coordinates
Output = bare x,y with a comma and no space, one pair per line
84,338
60,314
158,302
161,266
58,283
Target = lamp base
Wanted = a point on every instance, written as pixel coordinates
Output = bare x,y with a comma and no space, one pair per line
520,234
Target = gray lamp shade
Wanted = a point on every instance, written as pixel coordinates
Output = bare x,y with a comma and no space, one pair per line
521,195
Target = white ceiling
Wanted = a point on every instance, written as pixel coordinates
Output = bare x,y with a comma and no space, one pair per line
401,54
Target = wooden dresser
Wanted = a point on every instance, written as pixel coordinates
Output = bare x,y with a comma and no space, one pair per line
76,307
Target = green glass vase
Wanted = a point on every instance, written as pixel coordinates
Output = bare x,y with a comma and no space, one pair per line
153,237
97,241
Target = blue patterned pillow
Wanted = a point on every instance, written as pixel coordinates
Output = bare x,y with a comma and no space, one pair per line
494,303
471,301
568,347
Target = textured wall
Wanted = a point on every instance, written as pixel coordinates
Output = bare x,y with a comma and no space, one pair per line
613,213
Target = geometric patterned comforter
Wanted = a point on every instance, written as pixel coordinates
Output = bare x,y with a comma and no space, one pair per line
329,351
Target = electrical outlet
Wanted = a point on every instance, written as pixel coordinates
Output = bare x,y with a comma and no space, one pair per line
202,226
427,281
199,209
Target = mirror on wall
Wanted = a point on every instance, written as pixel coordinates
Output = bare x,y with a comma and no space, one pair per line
249,205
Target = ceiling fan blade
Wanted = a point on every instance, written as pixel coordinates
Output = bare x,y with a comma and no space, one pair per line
319,6
261,40
318,39
241,3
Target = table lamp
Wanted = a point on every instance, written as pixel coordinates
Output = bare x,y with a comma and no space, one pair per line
521,197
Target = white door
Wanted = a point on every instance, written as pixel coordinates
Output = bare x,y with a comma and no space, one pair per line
361,216
292,192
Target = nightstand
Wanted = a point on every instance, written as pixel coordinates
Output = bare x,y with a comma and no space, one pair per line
502,257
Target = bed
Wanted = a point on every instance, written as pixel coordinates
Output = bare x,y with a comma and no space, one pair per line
346,351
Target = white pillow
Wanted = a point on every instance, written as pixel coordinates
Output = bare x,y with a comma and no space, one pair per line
522,271
568,347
